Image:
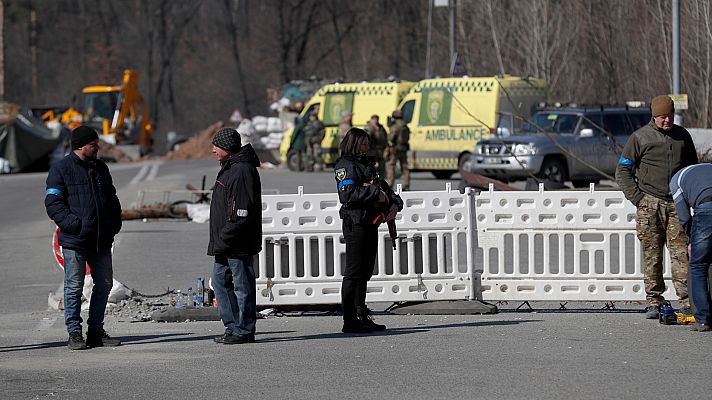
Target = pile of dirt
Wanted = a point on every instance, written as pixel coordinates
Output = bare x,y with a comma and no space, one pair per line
198,147
109,152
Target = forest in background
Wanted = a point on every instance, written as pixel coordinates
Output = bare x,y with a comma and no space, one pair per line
200,60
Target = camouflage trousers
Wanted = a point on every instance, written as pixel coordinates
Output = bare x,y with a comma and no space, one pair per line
312,156
656,224
377,155
401,158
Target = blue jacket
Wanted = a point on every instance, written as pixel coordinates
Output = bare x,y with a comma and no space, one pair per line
81,199
690,186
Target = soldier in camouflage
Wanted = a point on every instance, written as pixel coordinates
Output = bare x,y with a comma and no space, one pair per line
345,125
397,151
313,135
379,143
652,155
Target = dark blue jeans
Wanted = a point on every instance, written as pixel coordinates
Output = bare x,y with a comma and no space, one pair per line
700,259
236,293
103,276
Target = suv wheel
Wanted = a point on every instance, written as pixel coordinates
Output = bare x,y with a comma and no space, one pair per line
584,183
553,170
442,174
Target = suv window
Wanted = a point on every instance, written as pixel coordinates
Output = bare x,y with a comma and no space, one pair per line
615,124
638,120
566,123
505,125
551,122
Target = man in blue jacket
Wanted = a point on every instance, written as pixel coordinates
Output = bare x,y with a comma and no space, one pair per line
81,200
235,235
691,189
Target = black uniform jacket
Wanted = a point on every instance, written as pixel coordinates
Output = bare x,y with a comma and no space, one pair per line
358,186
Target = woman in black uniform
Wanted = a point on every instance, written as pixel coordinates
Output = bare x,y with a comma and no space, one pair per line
366,202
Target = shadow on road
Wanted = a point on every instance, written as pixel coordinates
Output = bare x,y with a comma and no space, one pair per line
392,332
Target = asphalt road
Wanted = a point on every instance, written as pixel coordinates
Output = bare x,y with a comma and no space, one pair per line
582,353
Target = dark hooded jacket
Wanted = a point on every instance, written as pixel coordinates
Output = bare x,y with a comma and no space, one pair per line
81,199
236,207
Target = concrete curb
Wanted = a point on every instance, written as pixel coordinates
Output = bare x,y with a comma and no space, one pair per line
172,314
455,307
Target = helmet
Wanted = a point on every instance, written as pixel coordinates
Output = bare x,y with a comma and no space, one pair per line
397,114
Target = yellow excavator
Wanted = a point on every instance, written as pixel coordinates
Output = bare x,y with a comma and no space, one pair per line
119,112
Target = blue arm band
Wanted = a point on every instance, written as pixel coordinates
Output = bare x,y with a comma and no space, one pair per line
54,191
344,183
625,161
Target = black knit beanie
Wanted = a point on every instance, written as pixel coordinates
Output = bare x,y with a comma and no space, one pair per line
82,136
228,139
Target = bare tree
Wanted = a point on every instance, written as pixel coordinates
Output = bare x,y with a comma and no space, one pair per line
231,8
296,23
2,50
497,50
33,50
170,30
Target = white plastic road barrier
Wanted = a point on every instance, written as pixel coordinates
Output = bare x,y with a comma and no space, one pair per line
508,246
560,245
303,257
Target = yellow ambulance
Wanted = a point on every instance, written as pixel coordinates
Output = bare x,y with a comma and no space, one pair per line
331,102
447,116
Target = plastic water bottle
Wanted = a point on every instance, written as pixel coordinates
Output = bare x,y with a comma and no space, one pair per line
180,302
191,298
200,293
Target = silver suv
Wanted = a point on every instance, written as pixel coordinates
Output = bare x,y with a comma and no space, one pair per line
559,145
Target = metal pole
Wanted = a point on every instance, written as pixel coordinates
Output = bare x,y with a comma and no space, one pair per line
452,30
676,55
427,50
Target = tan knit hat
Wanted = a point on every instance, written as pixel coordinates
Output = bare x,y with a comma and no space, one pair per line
662,105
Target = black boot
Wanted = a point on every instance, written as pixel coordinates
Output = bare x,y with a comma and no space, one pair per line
355,326
366,319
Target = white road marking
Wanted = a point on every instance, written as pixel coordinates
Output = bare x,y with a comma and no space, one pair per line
154,171
139,176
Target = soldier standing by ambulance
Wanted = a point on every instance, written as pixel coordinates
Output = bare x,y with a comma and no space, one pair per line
379,143
653,154
345,125
313,135
397,151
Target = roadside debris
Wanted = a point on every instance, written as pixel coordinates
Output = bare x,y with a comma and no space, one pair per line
481,182
263,133
119,292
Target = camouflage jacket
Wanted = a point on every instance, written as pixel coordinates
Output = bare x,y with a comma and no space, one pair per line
399,136
379,139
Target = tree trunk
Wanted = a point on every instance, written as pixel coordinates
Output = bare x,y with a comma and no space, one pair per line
33,52
232,31
2,50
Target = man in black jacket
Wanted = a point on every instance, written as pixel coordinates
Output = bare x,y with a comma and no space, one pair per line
235,235
81,200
